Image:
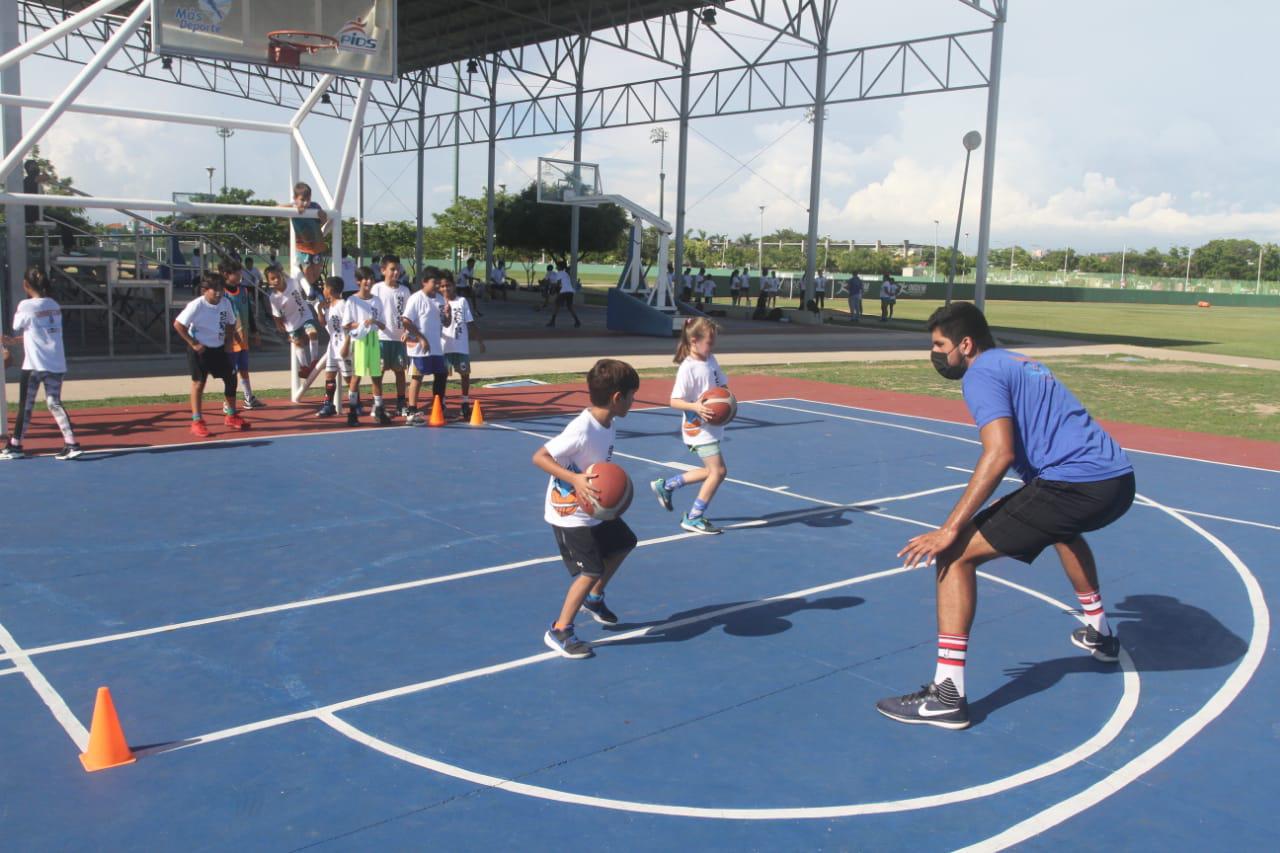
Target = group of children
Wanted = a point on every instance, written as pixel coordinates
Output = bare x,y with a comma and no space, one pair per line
592,549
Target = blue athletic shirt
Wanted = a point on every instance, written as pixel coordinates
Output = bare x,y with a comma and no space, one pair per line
1053,435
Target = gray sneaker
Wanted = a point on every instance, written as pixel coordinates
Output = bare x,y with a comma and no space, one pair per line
660,489
701,524
1103,647
564,642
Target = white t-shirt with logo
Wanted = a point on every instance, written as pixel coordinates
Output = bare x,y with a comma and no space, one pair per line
693,379
290,305
425,313
207,323
334,320
583,443
39,321
392,301
357,311
456,334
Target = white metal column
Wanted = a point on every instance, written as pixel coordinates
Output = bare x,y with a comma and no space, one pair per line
682,145
815,168
989,155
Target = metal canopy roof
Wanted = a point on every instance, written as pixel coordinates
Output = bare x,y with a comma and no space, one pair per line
436,32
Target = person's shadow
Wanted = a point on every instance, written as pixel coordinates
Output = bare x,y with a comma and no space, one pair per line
1159,632
761,621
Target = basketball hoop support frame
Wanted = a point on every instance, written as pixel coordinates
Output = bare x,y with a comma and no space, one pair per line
331,195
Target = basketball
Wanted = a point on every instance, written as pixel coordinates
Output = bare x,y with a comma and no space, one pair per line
723,405
614,486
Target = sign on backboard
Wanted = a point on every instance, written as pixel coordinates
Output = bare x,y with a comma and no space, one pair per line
348,37
567,181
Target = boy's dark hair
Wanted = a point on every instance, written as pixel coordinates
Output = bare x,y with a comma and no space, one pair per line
365,273
37,280
334,284
429,273
389,259
272,269
248,259
961,320
608,377
302,188
447,275
227,266
211,280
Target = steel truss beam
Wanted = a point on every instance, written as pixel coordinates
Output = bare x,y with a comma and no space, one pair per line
945,63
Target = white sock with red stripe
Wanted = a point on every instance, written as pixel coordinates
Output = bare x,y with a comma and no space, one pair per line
1094,615
951,653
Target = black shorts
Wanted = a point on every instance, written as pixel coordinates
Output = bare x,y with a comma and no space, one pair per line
1046,512
565,299
213,361
586,550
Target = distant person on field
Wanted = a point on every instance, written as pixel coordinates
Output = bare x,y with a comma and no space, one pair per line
546,285
820,290
856,288
498,280
565,297
735,287
1075,477
888,295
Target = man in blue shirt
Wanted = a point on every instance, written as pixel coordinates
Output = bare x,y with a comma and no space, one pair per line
1076,478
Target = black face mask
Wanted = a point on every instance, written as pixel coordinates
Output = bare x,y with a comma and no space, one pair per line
946,371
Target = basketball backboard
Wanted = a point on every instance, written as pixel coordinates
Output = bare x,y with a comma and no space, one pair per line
567,181
348,37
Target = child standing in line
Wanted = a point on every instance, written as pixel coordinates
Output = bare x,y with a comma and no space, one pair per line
206,323
362,321
242,301
337,356
37,325
699,372
391,296
592,550
293,317
457,335
425,315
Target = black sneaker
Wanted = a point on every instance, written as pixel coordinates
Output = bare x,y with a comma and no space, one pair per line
353,416
327,410
600,612
69,451
380,415
563,641
254,403
466,412
933,705
1103,647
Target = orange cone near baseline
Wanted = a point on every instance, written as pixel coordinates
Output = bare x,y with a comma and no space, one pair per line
107,746
437,413
477,419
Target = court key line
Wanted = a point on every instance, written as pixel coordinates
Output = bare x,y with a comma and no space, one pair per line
52,699
488,570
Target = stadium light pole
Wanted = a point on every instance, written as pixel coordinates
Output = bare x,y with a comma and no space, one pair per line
211,170
1123,253
659,136
971,141
1186,278
1257,288
760,245
226,133
935,250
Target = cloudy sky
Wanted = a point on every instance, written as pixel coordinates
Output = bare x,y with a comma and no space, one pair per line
1127,122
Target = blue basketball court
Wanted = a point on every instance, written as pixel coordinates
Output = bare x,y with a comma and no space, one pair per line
335,641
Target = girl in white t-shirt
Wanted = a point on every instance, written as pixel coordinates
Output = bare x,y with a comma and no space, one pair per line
37,325
699,372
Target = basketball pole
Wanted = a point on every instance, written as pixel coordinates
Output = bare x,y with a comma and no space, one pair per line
492,79
575,212
989,155
815,167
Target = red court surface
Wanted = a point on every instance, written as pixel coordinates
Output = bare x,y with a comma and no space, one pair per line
168,425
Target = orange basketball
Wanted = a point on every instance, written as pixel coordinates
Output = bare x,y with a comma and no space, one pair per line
723,405
615,489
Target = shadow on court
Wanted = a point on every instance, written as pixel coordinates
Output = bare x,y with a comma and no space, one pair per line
835,517
762,621
1159,632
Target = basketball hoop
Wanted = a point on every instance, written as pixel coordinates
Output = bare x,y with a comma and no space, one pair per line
285,47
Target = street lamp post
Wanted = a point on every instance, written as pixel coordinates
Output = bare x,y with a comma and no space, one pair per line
760,245
935,250
659,136
1186,278
210,170
971,140
1257,288
1066,256
226,133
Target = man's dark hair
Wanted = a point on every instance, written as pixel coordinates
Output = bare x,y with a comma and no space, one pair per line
335,284
608,377
228,266
961,320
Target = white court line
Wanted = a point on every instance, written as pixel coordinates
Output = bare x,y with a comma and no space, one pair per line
963,424
1181,734
52,699
489,570
1104,736
13,671
491,669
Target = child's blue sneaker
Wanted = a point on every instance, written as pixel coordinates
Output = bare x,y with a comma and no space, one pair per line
660,489
563,641
701,524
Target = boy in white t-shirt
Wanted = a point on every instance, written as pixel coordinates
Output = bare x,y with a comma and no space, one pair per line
820,290
457,336
37,325
561,278
337,355
425,315
206,324
293,316
592,550
361,321
392,296
498,280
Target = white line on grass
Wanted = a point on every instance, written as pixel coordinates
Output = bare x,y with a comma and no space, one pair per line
51,698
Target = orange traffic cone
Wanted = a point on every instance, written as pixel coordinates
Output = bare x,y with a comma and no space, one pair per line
477,419
437,413
107,746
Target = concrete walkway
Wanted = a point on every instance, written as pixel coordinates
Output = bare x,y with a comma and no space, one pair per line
521,345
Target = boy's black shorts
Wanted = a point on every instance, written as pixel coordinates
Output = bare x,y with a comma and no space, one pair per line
1046,512
213,361
586,550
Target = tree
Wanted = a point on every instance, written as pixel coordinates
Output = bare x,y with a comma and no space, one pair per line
464,224
523,225
52,184
257,232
